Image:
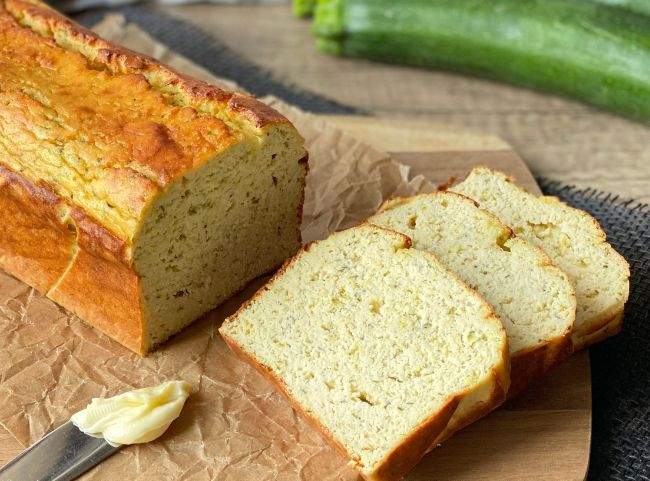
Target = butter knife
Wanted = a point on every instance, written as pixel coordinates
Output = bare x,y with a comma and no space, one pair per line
62,455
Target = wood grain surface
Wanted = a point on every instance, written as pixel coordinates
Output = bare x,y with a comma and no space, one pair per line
558,138
545,433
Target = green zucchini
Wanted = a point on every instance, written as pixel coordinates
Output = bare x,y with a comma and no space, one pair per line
303,8
639,6
596,53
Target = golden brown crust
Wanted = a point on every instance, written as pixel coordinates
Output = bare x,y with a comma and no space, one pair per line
30,211
110,143
496,397
107,295
123,60
530,365
118,126
98,240
447,185
257,112
409,452
610,326
96,286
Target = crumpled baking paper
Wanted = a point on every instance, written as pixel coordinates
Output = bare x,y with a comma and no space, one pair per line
234,425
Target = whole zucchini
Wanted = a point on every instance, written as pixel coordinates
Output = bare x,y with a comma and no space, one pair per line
303,8
639,6
597,53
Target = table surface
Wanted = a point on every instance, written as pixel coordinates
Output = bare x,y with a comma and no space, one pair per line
558,138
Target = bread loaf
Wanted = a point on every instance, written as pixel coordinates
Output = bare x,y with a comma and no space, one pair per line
375,343
135,197
533,298
572,239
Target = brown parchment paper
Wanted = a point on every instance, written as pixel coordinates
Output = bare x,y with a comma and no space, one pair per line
234,426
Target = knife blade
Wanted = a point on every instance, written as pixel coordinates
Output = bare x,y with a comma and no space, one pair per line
62,455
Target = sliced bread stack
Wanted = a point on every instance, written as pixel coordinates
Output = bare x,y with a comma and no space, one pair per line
389,345
532,297
376,343
574,241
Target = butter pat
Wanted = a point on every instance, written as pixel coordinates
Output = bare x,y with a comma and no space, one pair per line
134,417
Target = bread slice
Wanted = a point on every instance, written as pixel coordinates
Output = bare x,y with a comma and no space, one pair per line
574,241
374,343
533,298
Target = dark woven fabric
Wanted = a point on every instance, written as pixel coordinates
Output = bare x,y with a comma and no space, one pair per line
620,365
207,51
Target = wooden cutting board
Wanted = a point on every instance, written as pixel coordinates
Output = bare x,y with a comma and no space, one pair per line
545,433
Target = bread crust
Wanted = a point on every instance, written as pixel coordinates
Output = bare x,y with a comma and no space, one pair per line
30,210
106,294
61,249
127,61
609,327
412,448
530,365
69,257
475,406
424,438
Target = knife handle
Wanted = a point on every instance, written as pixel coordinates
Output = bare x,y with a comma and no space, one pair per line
62,455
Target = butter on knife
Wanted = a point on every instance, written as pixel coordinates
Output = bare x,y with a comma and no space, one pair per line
133,417
97,432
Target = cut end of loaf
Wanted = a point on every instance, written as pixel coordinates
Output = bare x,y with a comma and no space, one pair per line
217,228
372,341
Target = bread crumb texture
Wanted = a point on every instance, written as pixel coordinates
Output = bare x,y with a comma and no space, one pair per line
571,237
200,189
370,337
533,298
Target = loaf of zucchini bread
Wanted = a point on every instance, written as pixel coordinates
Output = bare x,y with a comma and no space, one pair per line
134,196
